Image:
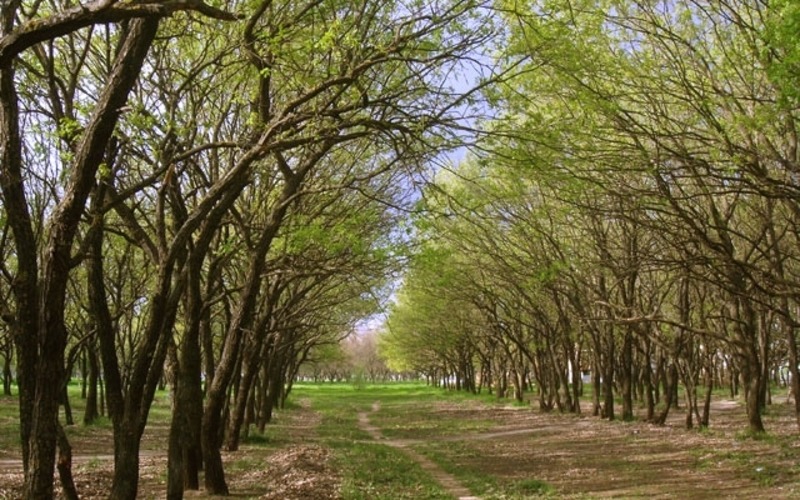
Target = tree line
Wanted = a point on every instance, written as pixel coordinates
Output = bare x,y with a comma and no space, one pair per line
631,215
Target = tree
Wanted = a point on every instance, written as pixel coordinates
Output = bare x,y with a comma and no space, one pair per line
40,285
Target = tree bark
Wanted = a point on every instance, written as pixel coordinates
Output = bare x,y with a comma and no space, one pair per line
250,365
91,413
56,265
627,376
670,383
65,466
25,287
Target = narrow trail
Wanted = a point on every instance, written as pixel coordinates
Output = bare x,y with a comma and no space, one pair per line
447,480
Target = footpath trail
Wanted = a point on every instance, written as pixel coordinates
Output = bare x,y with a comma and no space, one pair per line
447,480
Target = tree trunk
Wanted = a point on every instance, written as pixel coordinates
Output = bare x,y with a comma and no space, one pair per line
670,382
647,379
704,420
126,461
26,289
627,376
67,406
250,366
752,378
184,443
90,414
65,466
608,377
51,331
243,319
789,333
84,374
7,377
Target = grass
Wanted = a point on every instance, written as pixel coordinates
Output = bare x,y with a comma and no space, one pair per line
376,471
9,423
396,421
755,467
431,421
457,457
369,469
372,470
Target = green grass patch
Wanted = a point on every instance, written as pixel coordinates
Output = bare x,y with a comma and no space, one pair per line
372,470
465,463
9,424
369,469
398,422
376,471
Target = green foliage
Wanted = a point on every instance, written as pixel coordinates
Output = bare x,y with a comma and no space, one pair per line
782,47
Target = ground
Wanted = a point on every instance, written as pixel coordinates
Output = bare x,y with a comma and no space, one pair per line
467,447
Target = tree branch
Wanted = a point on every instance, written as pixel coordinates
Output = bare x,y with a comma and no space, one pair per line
38,30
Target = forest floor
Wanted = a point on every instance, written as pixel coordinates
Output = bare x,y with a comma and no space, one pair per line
405,441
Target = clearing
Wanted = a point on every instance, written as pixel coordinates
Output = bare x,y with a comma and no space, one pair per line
412,441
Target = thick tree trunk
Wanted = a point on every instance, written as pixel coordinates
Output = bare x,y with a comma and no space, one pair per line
26,288
184,443
44,431
175,456
127,441
752,380
183,462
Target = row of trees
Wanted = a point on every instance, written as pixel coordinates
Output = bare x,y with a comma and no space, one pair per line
633,213
210,188
356,359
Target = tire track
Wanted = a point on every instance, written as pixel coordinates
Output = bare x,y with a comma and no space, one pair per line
449,482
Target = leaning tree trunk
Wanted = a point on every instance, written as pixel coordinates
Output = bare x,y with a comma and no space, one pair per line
251,362
217,393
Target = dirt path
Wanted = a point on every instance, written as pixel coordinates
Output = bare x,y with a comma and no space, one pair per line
447,480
